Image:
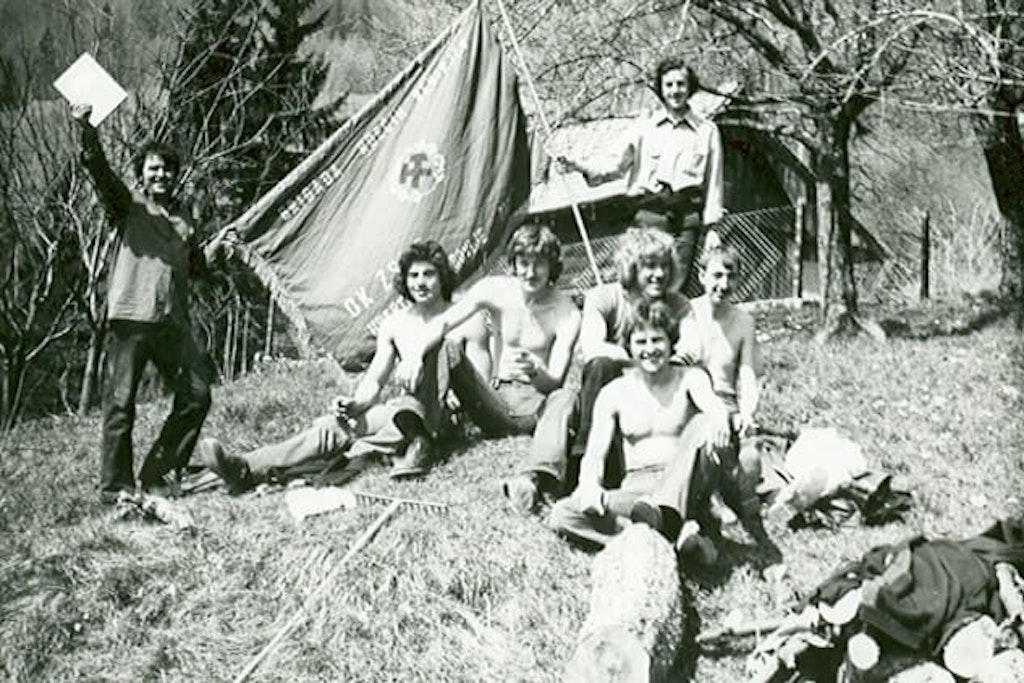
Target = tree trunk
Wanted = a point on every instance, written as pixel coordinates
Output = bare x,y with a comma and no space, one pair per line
823,214
1000,137
840,310
635,626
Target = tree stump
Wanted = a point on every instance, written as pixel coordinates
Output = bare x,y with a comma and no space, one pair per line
635,624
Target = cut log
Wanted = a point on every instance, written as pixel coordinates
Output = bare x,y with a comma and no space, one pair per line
971,647
1005,667
635,624
926,672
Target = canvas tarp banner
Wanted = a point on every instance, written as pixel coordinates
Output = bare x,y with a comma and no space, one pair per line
440,154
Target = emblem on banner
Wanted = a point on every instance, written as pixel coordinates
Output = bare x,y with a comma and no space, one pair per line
418,172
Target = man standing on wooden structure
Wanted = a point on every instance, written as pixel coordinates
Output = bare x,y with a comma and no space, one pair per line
673,164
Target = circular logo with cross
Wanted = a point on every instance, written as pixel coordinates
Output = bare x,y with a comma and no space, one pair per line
418,172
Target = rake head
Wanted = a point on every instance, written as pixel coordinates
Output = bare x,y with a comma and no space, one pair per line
366,498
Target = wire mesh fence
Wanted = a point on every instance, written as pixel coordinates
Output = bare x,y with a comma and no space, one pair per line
764,239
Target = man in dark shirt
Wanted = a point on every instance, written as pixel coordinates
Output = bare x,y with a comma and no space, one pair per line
147,310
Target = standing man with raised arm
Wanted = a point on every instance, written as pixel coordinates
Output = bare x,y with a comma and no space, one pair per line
673,163
147,310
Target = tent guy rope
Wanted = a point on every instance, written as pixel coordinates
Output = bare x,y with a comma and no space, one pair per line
548,133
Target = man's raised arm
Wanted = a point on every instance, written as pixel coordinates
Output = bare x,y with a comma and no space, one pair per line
113,193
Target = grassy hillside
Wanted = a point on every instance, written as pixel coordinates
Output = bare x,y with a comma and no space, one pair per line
477,594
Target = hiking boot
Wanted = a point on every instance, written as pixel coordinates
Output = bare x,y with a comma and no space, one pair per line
232,469
415,461
522,493
166,486
116,496
694,546
664,520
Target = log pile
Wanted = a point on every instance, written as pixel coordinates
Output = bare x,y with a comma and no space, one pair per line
635,623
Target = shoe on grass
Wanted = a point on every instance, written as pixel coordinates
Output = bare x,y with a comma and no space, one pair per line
415,461
664,520
693,545
522,493
232,469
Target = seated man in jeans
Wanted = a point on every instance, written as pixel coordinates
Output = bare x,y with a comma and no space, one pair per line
720,337
671,423
361,425
647,272
537,326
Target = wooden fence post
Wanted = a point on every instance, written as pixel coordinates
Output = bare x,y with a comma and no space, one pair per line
926,246
798,248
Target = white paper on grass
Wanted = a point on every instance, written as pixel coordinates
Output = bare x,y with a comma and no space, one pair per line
86,82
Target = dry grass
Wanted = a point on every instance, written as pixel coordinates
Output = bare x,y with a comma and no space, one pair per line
478,594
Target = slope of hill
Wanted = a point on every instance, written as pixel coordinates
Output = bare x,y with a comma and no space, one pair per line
479,593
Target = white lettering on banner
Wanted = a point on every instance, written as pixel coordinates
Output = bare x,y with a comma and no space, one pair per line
321,183
352,307
468,249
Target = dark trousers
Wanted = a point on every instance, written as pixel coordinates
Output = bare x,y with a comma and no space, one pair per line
187,373
597,372
683,224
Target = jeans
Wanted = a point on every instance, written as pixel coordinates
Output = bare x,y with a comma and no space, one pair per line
186,371
685,485
376,432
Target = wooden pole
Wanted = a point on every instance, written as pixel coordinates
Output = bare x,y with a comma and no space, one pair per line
926,256
268,340
798,249
247,320
229,337
300,614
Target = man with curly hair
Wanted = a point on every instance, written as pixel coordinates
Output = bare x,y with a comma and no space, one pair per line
405,425
647,272
535,325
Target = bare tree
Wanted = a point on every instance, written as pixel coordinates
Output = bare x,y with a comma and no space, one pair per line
38,271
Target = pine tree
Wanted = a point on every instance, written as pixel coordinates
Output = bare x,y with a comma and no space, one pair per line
240,104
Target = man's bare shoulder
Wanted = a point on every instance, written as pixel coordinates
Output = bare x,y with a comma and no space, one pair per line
564,304
743,320
620,390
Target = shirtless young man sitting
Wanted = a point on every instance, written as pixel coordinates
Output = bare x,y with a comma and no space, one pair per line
671,422
720,337
537,326
647,271
360,425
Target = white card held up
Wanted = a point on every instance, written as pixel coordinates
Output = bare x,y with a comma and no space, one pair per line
86,82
